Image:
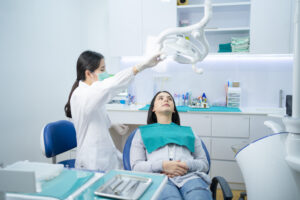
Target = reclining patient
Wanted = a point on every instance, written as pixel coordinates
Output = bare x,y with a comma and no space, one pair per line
163,146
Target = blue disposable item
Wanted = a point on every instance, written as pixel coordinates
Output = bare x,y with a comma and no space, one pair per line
210,109
65,184
204,99
158,135
122,101
103,75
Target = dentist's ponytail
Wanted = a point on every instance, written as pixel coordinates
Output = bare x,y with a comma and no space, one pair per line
68,105
88,60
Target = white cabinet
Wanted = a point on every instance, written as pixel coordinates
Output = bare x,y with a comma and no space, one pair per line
227,169
131,22
271,25
157,15
230,126
201,124
230,19
128,117
221,148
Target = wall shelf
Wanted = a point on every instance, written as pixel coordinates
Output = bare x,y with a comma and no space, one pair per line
237,29
230,18
215,5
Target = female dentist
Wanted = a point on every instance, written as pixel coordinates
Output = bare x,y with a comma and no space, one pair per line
86,106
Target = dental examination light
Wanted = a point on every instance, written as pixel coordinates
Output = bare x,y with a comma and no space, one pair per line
271,165
187,45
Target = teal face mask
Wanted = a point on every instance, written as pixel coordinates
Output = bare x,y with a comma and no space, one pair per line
103,76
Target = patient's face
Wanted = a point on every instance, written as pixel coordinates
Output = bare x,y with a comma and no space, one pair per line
163,103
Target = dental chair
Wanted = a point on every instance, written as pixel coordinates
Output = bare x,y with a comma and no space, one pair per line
227,194
56,138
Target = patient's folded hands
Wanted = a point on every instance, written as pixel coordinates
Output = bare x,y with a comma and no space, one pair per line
174,168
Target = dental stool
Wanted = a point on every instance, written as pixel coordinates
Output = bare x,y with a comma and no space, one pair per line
56,138
227,194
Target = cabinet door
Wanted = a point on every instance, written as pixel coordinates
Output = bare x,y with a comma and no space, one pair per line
221,148
131,22
201,124
128,117
230,126
125,27
270,24
228,169
158,15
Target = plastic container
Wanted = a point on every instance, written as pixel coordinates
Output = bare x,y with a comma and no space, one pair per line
234,97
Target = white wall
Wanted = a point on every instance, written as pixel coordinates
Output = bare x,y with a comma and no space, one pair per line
40,42
261,77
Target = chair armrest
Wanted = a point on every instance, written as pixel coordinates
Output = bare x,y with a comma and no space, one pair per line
227,194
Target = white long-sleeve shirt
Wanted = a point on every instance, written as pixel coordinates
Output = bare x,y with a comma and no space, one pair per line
141,160
95,147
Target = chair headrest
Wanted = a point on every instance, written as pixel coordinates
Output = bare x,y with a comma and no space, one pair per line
58,137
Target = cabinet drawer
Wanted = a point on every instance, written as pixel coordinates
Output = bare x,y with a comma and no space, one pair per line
127,117
221,148
228,169
201,124
230,126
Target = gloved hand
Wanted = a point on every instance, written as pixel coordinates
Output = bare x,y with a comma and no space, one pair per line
151,62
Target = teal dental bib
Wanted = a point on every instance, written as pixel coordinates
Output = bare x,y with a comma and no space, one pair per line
158,135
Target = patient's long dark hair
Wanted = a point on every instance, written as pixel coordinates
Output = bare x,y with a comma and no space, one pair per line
88,60
152,116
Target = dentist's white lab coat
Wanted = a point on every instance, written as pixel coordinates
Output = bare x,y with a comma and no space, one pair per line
95,147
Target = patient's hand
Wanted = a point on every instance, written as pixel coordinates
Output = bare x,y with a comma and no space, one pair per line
174,168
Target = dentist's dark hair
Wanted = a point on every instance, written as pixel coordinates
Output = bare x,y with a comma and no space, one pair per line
88,60
152,116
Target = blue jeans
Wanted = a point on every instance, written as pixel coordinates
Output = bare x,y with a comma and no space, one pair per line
193,189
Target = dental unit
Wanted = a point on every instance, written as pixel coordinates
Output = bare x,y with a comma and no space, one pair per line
271,165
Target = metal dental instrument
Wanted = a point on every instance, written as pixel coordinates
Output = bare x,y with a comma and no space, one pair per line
132,188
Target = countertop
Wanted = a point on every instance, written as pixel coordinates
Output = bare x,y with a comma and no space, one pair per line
272,111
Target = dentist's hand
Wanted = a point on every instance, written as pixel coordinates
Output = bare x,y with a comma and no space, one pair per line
150,62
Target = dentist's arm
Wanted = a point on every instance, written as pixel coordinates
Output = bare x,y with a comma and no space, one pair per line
101,92
150,62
